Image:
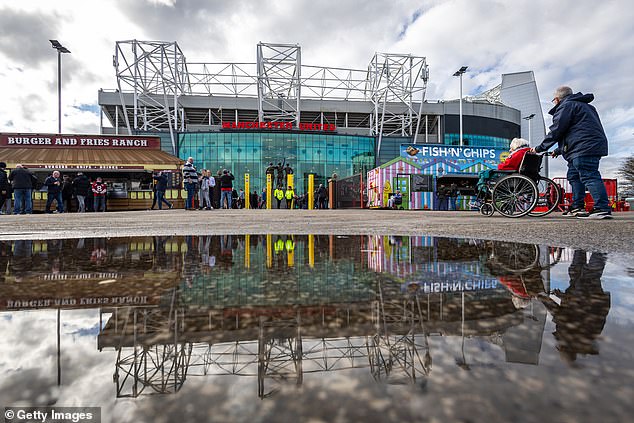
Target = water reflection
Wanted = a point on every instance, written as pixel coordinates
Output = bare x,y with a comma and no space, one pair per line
278,308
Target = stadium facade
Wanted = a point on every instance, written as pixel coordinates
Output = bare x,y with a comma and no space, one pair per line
320,120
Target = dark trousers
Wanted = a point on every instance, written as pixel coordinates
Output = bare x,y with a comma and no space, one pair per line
54,197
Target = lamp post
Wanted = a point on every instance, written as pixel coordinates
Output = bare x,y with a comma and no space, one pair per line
529,118
459,73
60,49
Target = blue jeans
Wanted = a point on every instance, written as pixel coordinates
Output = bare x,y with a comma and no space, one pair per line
227,195
160,199
191,192
22,204
54,197
583,172
99,203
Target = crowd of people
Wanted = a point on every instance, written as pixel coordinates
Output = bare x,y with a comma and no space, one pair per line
576,132
207,192
19,184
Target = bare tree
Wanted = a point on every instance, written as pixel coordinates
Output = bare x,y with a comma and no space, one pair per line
626,171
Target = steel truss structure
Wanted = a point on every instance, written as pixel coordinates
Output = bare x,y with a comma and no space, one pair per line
158,76
154,356
396,79
156,72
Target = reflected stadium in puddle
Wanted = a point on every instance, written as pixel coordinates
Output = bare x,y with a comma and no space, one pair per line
166,317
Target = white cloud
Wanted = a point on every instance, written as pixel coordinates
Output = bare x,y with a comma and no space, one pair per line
573,42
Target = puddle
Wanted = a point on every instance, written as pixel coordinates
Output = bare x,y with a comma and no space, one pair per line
323,328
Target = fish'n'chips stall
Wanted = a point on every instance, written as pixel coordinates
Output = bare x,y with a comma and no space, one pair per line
125,163
426,173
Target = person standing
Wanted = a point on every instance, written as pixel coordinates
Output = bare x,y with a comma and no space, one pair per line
4,185
241,199
322,193
581,140
99,190
226,187
161,187
190,178
263,199
289,195
253,200
453,197
22,181
81,187
54,192
279,195
207,183
67,193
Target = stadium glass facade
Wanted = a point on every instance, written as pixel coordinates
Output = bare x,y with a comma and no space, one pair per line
251,152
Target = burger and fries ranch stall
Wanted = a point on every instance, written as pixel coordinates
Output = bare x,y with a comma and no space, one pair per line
126,165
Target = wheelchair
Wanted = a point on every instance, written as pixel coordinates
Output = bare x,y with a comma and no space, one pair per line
521,193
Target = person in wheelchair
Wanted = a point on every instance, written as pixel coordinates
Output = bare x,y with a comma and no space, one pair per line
395,201
518,149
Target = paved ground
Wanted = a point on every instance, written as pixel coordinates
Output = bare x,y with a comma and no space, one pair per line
615,235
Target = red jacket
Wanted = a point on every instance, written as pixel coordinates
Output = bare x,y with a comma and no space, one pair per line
99,189
514,160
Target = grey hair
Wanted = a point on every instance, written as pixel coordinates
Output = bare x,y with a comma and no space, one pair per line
563,92
518,143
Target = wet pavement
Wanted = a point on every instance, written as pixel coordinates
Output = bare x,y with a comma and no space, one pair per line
614,235
316,328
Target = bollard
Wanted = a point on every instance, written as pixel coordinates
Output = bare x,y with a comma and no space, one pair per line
269,192
247,192
311,191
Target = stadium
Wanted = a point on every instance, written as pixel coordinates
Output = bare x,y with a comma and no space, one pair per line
320,120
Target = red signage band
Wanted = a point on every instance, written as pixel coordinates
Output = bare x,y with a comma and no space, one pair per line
79,141
324,127
80,167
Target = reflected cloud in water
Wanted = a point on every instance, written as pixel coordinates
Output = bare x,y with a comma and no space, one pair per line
138,317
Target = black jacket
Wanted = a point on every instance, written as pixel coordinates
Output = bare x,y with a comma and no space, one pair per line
161,182
51,186
4,182
226,181
81,185
21,178
576,129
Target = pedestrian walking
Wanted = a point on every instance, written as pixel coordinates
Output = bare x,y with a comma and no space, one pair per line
578,133
161,186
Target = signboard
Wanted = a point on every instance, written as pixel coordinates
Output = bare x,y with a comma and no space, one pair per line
422,183
84,167
450,152
79,141
285,126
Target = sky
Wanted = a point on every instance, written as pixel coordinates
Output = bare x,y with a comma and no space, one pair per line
585,44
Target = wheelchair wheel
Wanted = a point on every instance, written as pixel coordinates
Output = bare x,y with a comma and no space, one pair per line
487,209
549,196
514,195
514,257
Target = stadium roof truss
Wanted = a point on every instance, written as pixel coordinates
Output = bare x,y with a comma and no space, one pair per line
158,75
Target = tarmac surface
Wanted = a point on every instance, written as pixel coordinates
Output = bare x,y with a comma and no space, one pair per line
610,235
